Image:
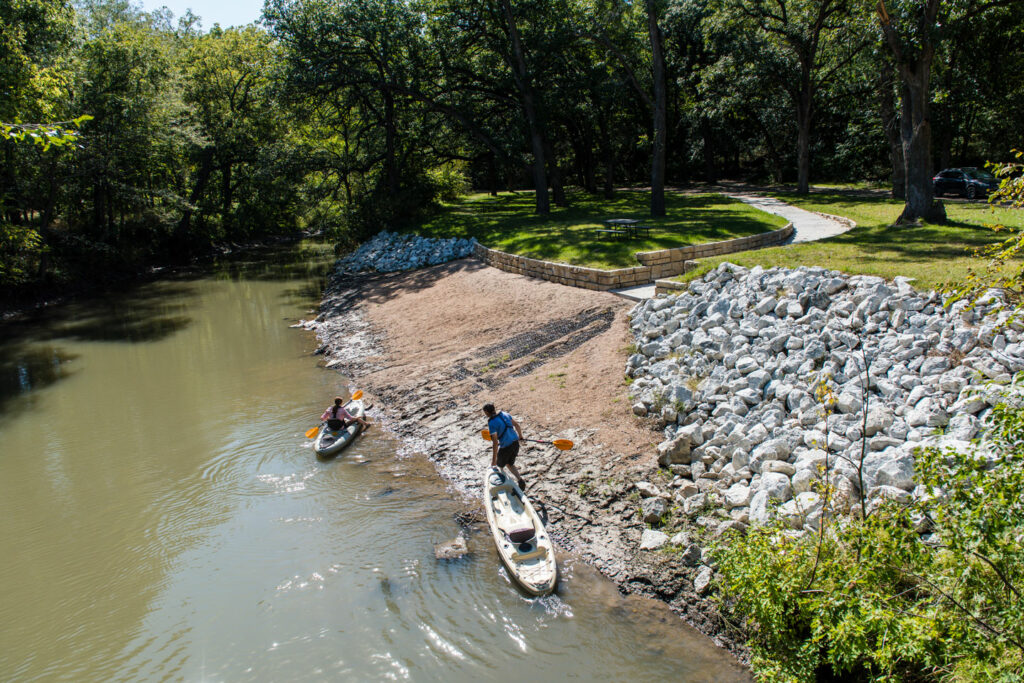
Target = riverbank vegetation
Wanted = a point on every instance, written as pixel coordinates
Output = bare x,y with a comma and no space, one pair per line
569,234
930,591
352,117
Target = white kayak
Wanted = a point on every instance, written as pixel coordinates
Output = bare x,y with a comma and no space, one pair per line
330,442
523,544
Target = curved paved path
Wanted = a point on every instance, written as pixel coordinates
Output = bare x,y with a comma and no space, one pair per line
807,227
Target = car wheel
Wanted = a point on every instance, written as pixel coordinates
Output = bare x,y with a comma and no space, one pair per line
972,192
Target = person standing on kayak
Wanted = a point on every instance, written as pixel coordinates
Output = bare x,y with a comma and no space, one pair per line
505,436
338,418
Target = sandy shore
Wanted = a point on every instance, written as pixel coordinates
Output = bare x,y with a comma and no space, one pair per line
430,347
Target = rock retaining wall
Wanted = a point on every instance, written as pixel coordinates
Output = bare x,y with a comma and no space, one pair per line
654,264
763,379
388,252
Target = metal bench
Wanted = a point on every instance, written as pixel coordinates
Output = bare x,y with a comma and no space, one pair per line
615,232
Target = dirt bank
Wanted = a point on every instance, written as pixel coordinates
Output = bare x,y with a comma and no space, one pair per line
430,347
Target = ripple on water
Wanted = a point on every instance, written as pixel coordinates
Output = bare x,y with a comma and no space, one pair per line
285,483
440,645
389,667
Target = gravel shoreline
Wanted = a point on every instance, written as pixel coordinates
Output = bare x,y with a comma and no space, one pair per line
588,493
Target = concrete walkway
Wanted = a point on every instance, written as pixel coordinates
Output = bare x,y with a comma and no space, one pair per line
807,227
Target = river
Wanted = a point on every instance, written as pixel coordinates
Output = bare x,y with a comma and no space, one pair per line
163,517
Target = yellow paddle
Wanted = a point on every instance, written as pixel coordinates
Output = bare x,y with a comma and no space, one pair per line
312,432
560,444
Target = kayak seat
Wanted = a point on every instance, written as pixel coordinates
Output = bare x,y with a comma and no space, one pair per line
533,552
521,535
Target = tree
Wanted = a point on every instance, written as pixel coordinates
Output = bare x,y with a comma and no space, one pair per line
802,47
227,85
914,30
659,126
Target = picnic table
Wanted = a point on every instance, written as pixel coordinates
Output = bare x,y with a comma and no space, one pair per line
624,227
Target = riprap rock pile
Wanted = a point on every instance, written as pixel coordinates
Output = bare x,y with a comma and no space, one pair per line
757,374
390,251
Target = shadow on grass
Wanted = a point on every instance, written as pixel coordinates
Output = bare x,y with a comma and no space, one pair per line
569,234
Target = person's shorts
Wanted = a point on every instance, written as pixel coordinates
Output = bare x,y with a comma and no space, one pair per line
507,455
335,425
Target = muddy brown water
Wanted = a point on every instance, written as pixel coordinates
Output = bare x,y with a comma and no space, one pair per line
162,516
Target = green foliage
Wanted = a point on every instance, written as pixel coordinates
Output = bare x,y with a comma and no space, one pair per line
1001,263
20,248
59,134
348,117
871,599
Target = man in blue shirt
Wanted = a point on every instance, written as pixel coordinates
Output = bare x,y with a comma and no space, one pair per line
505,436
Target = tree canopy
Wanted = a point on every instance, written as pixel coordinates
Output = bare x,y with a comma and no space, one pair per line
156,138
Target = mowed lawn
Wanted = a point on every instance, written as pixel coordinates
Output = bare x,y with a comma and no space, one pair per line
568,235
935,255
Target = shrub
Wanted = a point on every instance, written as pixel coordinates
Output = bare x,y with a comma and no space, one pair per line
873,599
20,249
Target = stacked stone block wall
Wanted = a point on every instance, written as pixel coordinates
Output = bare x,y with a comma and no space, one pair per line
654,265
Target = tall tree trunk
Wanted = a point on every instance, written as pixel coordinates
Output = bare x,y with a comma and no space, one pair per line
522,78
915,122
8,199
51,196
608,152
492,175
946,145
707,135
803,138
967,126
98,208
947,116
390,171
916,131
891,126
225,179
609,173
557,186
202,177
555,175
660,126
584,158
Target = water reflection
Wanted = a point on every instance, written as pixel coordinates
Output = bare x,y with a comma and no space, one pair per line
24,369
307,261
146,313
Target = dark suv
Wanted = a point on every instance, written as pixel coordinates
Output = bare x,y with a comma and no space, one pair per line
967,182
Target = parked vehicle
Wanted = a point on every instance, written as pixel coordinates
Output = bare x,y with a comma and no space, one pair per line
967,182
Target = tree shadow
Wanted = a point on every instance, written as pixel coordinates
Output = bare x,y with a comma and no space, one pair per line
145,313
27,369
380,287
570,234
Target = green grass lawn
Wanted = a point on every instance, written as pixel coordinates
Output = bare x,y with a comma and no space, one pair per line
933,254
567,235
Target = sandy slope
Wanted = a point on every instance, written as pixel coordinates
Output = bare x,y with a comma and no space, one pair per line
430,347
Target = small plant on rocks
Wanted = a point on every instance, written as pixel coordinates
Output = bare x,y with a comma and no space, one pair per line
929,591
